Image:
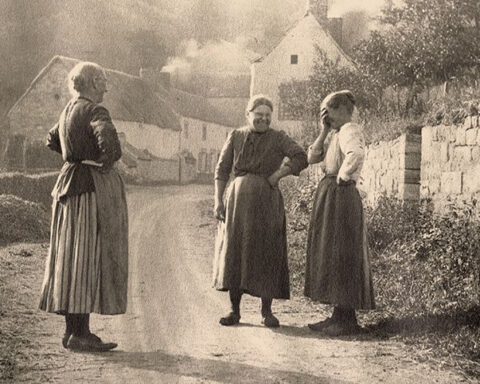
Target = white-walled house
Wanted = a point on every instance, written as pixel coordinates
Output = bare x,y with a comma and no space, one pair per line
204,129
146,121
294,58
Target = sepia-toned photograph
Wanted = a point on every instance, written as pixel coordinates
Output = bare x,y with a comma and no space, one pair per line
240,192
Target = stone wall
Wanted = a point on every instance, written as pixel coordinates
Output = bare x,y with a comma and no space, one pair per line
391,168
38,110
451,162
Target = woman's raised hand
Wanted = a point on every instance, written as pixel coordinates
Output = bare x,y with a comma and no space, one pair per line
326,125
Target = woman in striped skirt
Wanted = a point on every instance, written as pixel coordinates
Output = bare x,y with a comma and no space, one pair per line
87,266
338,266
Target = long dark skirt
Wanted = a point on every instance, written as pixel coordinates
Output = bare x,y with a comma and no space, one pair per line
251,246
338,264
87,266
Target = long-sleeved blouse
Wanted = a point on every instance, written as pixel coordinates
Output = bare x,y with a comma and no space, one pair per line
84,132
343,153
246,151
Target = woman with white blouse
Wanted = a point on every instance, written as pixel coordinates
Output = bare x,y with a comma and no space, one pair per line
338,265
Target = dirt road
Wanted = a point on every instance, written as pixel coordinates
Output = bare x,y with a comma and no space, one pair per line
171,333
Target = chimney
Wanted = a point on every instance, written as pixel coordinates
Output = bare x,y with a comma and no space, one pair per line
156,78
319,9
335,27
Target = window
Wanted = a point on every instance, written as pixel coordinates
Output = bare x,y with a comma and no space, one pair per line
204,132
202,160
208,166
294,59
185,129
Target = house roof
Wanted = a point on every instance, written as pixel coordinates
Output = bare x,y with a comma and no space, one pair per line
249,54
327,40
200,108
129,98
218,84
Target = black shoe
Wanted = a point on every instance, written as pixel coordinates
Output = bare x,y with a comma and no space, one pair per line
321,325
270,321
89,343
343,329
65,338
231,319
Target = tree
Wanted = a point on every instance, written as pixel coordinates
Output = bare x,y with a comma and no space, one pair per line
422,42
303,98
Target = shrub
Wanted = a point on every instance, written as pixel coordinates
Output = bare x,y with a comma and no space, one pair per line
22,220
36,187
422,261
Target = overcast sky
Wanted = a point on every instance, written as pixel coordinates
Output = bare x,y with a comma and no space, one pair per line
339,7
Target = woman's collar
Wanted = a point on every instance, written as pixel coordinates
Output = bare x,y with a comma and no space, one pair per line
251,129
85,98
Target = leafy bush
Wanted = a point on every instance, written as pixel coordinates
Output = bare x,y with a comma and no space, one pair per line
424,261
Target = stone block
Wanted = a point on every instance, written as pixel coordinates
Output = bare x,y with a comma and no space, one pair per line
414,147
471,180
410,161
451,183
409,191
476,153
427,135
430,152
471,136
433,185
471,122
462,155
452,135
410,176
443,133
444,155
461,138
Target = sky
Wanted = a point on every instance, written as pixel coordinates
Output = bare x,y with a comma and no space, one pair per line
340,7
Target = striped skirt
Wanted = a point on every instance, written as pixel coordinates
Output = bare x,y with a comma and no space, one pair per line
72,274
87,265
338,263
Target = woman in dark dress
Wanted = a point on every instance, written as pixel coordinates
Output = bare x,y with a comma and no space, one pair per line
87,266
338,263
251,245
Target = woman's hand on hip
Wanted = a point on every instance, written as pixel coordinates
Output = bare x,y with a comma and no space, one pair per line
273,180
219,211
